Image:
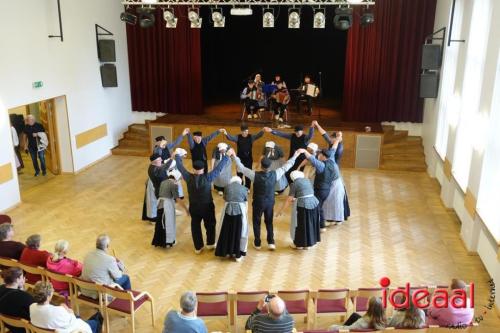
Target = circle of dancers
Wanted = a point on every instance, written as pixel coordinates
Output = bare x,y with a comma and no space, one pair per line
317,198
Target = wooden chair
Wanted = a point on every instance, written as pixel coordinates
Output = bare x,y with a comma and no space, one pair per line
246,302
362,296
66,278
5,219
35,329
331,301
34,270
126,303
8,262
214,306
297,302
12,322
79,299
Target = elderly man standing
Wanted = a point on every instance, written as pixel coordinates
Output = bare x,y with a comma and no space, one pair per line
100,267
185,321
275,320
34,134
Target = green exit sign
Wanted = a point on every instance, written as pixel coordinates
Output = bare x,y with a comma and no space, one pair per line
37,84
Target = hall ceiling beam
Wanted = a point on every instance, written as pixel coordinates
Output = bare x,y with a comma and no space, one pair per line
247,3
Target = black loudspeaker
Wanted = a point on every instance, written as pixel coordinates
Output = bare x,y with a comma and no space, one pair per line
107,50
429,85
431,56
108,75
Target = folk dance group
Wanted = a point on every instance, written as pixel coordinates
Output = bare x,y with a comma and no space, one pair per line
318,200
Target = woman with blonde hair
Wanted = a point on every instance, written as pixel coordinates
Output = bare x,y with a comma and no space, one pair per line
374,318
410,317
59,263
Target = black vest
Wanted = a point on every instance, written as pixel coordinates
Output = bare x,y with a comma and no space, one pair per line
165,153
263,186
198,152
244,146
323,181
297,142
199,189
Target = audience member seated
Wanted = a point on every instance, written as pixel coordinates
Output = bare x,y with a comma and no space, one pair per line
185,321
33,256
14,301
8,247
452,316
100,267
411,317
373,319
59,318
59,263
276,320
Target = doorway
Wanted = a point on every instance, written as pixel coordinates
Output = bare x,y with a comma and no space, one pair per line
44,113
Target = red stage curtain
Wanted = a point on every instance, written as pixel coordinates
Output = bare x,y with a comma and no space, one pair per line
383,61
165,66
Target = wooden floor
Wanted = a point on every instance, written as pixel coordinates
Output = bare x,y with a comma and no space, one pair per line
398,228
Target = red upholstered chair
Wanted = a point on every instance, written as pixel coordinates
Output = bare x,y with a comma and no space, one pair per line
246,302
331,301
5,219
12,322
126,303
297,302
68,295
214,305
362,297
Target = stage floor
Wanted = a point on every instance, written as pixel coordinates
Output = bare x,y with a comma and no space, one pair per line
230,114
399,228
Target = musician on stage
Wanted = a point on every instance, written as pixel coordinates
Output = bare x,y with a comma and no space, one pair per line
277,78
308,90
198,146
259,84
244,142
281,100
249,96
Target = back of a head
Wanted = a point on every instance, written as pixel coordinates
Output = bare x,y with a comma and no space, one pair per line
42,291
276,306
11,274
102,242
188,302
457,284
60,249
4,231
412,318
33,241
376,313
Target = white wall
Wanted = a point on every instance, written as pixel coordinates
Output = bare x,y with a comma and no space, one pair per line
69,68
455,109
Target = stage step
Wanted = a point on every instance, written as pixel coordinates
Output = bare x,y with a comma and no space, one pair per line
401,152
135,142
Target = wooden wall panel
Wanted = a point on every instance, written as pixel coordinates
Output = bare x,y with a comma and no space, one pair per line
91,135
6,173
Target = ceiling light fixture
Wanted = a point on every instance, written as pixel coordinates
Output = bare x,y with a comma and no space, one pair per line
194,18
343,18
169,17
294,18
268,18
319,18
218,18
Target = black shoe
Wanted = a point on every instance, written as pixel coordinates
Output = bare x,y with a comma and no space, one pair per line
37,174
44,173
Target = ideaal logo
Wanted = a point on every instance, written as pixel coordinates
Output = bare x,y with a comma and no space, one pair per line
422,299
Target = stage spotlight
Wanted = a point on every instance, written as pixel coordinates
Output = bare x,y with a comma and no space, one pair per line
293,18
319,19
149,2
128,18
355,2
146,16
241,11
268,18
218,18
169,17
194,18
343,18
367,18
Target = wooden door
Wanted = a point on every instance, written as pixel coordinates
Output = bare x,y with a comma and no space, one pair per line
48,121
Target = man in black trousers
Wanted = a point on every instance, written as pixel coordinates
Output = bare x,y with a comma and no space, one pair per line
263,195
244,142
201,203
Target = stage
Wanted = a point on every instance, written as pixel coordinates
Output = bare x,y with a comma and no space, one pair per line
229,116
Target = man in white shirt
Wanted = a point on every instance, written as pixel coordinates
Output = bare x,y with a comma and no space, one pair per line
100,267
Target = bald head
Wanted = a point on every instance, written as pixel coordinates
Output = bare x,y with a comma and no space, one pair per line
276,306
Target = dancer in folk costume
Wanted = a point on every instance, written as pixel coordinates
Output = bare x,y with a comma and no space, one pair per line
233,234
165,228
157,173
274,153
225,176
305,223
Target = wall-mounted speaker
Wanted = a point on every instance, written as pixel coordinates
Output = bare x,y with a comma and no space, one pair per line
431,56
429,84
108,75
106,50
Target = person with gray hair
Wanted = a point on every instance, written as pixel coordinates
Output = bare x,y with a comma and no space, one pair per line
33,256
8,247
35,134
275,320
100,267
185,321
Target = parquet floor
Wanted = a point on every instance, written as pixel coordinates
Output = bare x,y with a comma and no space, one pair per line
398,228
